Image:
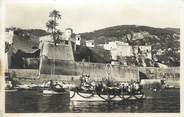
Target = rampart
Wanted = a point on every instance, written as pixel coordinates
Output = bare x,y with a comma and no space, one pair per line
68,70
96,71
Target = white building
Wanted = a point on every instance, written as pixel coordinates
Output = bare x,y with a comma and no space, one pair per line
78,40
9,36
121,51
90,43
118,48
68,34
113,45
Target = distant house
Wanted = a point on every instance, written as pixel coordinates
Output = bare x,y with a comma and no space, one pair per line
90,43
118,49
9,36
113,45
121,51
78,39
68,34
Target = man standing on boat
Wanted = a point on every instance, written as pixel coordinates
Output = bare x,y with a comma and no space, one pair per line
51,85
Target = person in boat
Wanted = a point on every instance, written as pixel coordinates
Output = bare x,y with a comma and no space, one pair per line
85,83
87,78
82,80
58,86
134,88
125,87
99,87
9,85
122,88
129,88
51,84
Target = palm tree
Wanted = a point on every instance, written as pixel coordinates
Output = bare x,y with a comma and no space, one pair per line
52,23
51,26
55,15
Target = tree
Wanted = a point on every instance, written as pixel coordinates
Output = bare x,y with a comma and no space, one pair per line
55,15
52,24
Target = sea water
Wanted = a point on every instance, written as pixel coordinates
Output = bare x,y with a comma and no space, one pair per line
167,100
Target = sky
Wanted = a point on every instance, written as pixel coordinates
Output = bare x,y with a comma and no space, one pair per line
90,15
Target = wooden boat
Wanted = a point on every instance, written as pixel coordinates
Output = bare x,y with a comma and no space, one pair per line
11,90
76,96
54,91
106,91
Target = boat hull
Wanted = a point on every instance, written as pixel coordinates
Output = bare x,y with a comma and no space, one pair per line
95,97
51,92
11,90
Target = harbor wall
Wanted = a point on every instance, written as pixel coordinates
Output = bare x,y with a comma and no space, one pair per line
24,73
96,71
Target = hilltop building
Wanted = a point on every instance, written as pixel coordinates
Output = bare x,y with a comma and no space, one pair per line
90,43
121,51
119,48
113,45
9,36
78,39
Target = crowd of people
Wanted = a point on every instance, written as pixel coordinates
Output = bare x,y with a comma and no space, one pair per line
106,84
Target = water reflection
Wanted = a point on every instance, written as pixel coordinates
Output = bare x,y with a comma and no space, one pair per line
53,103
23,102
126,106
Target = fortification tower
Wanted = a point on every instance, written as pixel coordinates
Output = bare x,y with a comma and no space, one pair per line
53,55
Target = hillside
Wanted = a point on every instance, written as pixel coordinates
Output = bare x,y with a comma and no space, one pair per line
27,39
92,54
118,32
164,41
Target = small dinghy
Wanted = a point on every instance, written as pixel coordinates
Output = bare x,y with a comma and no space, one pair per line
11,90
51,88
50,91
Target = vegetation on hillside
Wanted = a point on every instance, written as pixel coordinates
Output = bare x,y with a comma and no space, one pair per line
164,41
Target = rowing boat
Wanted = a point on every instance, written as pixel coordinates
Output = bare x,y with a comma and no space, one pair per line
76,96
